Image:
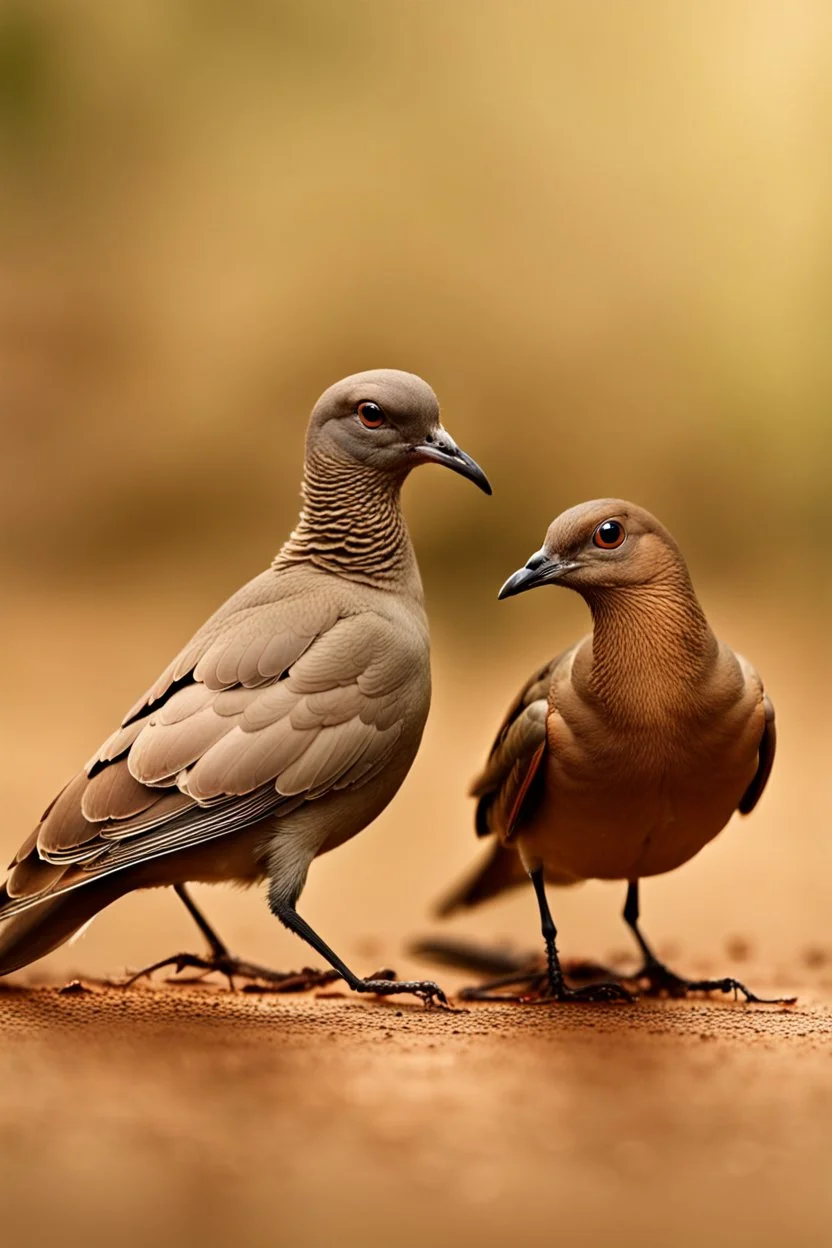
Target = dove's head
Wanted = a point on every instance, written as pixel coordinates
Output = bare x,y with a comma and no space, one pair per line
602,545
387,420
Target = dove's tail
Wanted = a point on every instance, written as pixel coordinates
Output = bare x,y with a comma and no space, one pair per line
36,931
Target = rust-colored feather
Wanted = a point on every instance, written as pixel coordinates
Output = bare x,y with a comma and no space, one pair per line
530,773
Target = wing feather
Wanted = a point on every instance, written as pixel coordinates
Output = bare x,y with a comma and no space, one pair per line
271,704
163,751
332,753
505,787
242,760
114,793
64,825
32,877
768,746
116,746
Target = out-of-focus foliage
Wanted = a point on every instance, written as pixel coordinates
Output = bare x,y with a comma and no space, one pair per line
602,231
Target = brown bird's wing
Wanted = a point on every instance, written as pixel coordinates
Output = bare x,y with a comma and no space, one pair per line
272,704
508,788
765,761
506,785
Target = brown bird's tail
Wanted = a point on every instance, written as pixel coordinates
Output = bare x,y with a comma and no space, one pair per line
40,929
501,870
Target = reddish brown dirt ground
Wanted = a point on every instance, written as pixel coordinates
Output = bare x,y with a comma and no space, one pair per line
192,1116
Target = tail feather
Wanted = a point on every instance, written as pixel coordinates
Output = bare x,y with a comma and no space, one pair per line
37,931
500,871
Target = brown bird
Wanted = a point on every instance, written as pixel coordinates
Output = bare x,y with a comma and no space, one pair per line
285,725
631,750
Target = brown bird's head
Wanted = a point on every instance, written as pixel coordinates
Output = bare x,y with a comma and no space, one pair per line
600,545
387,420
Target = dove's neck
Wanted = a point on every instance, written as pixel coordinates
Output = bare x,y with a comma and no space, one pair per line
352,525
653,651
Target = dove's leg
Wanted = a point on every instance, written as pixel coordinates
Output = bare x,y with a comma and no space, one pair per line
550,984
426,989
215,944
655,979
222,960
557,989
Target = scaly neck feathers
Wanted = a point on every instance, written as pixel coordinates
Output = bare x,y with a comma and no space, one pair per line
352,525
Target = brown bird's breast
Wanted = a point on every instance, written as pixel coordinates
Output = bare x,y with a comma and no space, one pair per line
621,805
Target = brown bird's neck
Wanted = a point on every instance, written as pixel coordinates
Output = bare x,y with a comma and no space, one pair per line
652,650
352,524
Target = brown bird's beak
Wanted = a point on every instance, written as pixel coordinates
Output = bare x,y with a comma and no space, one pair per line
540,569
440,448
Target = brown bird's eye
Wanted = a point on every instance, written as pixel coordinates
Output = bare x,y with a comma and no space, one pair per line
609,535
370,415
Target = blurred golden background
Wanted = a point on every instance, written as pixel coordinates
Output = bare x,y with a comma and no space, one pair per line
602,232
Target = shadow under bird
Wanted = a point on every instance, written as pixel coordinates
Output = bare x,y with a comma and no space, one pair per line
627,753
284,726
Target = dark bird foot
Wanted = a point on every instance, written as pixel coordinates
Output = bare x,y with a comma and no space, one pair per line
260,978
559,991
540,989
388,986
656,980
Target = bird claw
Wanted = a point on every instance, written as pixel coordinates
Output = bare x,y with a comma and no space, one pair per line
543,990
660,981
425,989
558,992
261,978
734,985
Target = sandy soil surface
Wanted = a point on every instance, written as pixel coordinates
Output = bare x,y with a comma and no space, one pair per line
193,1116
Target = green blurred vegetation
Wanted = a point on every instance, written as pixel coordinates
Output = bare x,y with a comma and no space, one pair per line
602,231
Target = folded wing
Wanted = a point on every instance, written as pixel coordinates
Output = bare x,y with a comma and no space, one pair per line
505,786
765,761
508,788
271,705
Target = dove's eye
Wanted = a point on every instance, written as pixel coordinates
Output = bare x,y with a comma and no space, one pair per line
609,535
370,415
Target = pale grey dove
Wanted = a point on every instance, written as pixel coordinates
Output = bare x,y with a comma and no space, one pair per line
631,750
284,726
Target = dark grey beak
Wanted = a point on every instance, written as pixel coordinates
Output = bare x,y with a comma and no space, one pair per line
539,570
440,448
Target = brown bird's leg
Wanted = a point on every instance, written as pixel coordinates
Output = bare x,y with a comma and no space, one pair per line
222,960
426,989
658,980
549,985
557,988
